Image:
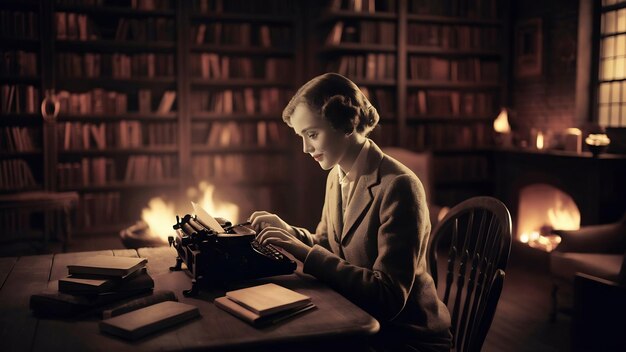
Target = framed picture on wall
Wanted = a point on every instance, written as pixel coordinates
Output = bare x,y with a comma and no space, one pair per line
529,48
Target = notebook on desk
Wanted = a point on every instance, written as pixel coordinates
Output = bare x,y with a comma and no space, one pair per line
264,304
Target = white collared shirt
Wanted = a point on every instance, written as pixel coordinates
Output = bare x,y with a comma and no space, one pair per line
348,181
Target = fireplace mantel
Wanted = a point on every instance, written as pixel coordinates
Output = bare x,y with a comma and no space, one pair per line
597,184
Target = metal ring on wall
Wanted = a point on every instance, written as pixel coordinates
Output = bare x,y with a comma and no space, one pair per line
50,107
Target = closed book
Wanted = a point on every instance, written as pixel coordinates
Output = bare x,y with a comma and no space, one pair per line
144,321
268,299
62,305
243,313
91,284
107,265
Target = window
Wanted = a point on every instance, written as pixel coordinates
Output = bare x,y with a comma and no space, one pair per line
612,64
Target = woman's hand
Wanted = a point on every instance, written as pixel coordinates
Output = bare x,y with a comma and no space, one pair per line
284,240
263,219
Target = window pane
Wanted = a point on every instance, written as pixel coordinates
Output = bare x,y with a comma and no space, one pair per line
621,20
603,117
608,47
614,115
615,92
619,68
604,93
607,69
609,22
620,45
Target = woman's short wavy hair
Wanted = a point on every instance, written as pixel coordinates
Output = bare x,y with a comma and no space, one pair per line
338,100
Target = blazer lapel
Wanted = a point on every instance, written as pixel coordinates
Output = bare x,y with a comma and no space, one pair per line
363,196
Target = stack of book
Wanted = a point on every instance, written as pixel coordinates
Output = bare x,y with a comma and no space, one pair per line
92,283
265,304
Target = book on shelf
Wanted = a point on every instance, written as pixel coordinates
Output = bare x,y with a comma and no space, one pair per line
384,100
453,70
133,4
123,134
211,65
456,8
240,100
19,24
264,304
95,65
236,167
363,32
242,34
366,6
450,103
437,136
18,63
96,101
150,168
275,7
145,321
446,36
19,139
84,284
106,265
80,27
97,171
16,174
19,98
98,209
368,66
167,102
232,134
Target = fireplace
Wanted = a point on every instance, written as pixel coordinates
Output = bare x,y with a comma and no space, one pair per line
547,190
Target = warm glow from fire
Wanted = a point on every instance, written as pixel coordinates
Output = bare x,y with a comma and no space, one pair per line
161,215
541,209
224,210
501,123
540,140
158,216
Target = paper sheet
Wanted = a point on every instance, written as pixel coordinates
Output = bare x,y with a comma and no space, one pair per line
207,219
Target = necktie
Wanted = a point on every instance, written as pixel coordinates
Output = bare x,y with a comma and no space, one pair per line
345,189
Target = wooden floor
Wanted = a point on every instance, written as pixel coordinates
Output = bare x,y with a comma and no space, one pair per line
521,320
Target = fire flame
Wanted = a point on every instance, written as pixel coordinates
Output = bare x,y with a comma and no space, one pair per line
540,140
541,209
501,123
161,215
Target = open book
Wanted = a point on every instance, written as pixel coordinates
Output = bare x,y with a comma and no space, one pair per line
264,304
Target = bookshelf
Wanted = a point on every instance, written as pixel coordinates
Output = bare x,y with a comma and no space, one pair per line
435,70
243,67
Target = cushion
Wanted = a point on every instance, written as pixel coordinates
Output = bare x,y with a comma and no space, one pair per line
566,264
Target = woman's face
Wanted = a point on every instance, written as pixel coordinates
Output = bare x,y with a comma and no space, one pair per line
326,145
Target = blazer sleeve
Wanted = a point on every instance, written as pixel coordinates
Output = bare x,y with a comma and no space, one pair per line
320,237
384,289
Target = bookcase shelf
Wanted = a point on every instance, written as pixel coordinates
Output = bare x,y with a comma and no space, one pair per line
357,47
243,17
120,151
329,16
243,50
20,154
153,117
210,116
19,5
20,80
23,43
115,83
202,149
432,50
112,46
239,82
453,20
448,82
115,11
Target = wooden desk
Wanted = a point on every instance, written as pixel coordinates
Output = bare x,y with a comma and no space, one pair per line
335,317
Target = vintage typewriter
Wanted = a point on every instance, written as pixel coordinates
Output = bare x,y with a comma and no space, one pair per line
216,251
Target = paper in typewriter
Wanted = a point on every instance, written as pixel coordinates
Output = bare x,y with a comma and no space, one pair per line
207,219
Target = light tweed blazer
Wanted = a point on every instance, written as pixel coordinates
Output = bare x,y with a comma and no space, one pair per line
376,257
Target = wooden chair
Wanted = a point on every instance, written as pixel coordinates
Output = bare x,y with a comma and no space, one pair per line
477,236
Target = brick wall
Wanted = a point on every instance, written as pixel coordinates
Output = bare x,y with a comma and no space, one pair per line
547,102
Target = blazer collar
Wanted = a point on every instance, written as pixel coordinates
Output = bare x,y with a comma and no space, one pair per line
361,198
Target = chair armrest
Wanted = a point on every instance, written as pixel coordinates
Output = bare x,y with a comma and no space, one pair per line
608,238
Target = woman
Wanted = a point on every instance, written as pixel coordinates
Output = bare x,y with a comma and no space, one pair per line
370,244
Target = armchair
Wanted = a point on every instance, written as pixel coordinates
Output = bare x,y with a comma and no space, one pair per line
598,251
